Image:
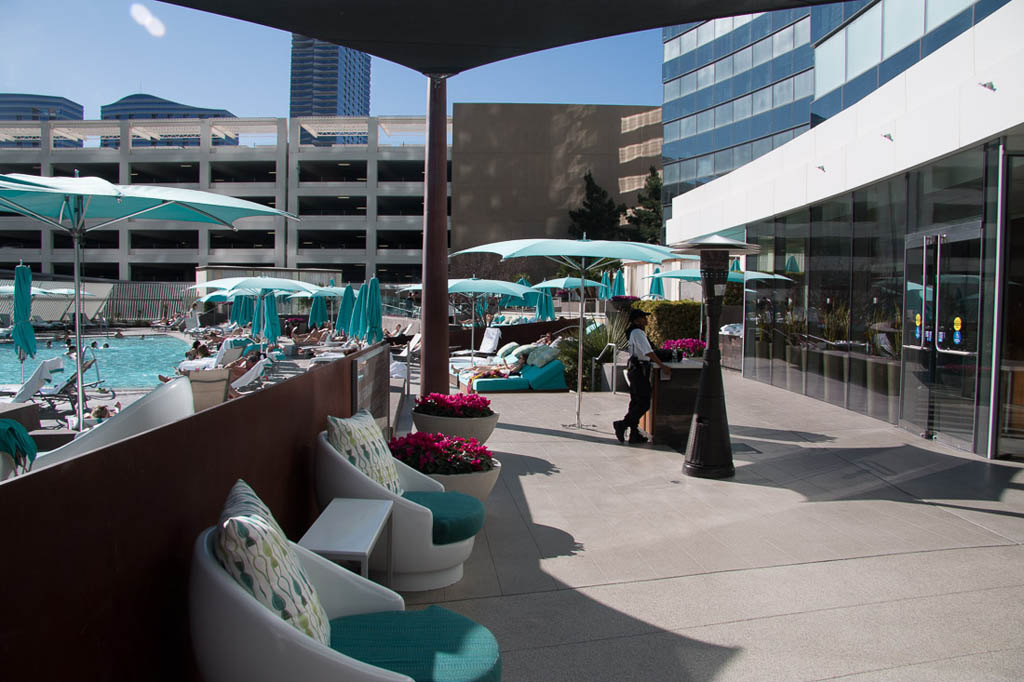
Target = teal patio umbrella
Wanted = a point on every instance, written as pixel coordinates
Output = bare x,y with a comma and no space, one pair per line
271,327
619,285
605,292
68,203
657,289
512,300
566,283
23,335
317,312
584,256
357,322
545,307
348,300
374,329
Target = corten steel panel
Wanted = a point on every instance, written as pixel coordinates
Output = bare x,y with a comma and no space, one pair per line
97,549
517,169
450,37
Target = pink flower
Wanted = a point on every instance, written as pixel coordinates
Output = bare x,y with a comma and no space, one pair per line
436,453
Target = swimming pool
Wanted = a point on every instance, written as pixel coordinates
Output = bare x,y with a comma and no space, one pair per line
131,362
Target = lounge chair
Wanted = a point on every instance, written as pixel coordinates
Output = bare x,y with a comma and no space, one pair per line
237,638
37,380
67,391
209,387
488,345
410,351
166,403
418,563
250,376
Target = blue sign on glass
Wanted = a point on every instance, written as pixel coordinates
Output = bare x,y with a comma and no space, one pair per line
942,337
957,338
917,332
928,335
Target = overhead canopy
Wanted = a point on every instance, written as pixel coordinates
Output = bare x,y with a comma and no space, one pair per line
451,37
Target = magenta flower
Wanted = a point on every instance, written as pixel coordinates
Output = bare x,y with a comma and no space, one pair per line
688,348
436,453
457,405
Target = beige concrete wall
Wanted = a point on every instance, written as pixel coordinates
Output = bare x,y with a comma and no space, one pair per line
517,169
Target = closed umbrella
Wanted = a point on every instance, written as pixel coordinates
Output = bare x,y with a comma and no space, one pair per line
355,324
605,292
348,300
317,312
545,307
271,328
657,289
67,203
511,299
23,335
619,285
584,256
374,329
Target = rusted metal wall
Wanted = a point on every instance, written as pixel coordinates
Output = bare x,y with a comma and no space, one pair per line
96,550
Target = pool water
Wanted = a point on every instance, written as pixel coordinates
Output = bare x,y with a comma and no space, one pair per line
131,362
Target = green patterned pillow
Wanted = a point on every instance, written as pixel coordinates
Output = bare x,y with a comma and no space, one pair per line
360,439
541,355
506,349
252,548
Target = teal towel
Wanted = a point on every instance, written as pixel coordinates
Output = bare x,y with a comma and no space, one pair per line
14,439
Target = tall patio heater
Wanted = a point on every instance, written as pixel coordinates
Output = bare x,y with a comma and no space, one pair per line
709,449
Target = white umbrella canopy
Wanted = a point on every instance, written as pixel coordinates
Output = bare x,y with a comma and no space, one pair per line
257,283
68,203
566,283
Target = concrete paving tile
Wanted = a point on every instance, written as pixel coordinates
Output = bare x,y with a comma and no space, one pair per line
993,666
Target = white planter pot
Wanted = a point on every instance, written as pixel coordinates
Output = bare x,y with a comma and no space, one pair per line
463,427
478,484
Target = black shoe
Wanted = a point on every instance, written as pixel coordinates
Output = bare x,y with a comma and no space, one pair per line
636,437
620,431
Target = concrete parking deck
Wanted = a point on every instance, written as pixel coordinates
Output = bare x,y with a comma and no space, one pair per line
844,548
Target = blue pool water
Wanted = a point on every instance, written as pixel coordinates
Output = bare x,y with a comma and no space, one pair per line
131,362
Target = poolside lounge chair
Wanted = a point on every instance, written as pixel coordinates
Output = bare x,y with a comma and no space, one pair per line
209,387
250,376
410,351
68,389
237,638
37,380
488,345
418,563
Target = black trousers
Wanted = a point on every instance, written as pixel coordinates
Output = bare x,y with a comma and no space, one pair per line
639,393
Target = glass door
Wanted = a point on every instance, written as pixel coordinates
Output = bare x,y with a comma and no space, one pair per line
940,334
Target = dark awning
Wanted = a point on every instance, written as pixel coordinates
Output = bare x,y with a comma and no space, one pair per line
449,37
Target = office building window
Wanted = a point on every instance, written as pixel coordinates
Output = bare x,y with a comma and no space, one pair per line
864,42
902,24
941,11
830,64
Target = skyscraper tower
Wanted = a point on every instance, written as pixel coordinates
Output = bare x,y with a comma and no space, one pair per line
328,80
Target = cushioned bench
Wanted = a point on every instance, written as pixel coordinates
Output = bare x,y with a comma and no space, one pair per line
550,377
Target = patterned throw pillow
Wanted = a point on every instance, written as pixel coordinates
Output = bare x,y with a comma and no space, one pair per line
252,548
517,353
542,355
360,439
506,349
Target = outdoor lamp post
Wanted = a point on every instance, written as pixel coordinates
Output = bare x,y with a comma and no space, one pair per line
709,450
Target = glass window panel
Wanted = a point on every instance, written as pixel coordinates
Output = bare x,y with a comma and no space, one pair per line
741,60
762,100
723,69
951,191
762,51
672,48
688,127
828,305
705,33
705,166
706,76
830,64
672,131
782,42
705,121
782,92
740,155
941,11
782,138
803,84
723,161
723,115
740,20
687,170
671,173
761,147
688,42
741,108
802,32
902,24
688,84
672,90
722,26
864,42
790,339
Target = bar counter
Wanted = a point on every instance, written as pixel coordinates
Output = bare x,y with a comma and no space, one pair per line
672,403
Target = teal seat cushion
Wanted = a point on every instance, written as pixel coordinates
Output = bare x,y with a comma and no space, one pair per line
456,516
433,645
550,377
497,385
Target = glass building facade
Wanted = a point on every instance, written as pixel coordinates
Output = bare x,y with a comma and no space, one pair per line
735,88
27,107
328,80
143,106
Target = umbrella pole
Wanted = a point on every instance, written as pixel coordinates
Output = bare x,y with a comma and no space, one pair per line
76,235
579,352
472,330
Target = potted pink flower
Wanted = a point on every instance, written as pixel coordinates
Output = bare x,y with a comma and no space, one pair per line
460,464
686,348
460,414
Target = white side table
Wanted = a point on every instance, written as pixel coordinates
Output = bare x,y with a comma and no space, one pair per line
349,529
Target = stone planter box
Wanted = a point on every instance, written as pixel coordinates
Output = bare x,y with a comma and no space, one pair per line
477,484
463,427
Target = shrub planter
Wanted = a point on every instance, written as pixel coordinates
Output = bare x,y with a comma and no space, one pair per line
463,427
478,484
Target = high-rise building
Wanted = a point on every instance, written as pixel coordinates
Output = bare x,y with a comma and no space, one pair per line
27,107
890,230
142,106
328,80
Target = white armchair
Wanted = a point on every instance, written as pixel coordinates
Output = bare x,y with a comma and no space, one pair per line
237,638
417,563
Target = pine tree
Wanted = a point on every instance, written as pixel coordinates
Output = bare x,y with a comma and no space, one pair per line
599,216
646,218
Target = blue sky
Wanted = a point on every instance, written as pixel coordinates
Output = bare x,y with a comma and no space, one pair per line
94,52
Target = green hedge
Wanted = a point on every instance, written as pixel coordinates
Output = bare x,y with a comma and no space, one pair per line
671,320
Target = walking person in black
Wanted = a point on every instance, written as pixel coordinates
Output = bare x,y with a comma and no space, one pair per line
638,371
